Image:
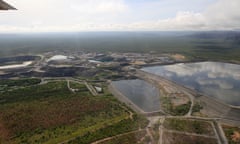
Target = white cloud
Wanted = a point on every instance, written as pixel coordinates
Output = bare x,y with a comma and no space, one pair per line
84,6
182,21
94,15
223,15
99,6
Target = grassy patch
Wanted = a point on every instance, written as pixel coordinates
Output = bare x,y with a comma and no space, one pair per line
181,109
177,110
52,89
78,86
197,108
174,138
6,84
191,126
123,126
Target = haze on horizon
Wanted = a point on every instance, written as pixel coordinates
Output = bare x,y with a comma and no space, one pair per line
120,15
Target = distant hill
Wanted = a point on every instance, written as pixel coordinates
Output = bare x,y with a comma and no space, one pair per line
206,45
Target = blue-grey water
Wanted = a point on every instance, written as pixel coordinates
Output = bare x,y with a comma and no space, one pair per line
141,93
215,79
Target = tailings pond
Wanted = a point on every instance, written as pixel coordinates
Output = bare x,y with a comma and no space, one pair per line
141,93
215,79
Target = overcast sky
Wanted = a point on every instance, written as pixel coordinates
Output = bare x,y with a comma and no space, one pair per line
120,15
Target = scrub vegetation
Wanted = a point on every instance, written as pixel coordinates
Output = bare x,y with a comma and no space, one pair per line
174,110
6,83
51,113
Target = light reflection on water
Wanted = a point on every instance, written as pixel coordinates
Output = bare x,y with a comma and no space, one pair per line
219,80
141,93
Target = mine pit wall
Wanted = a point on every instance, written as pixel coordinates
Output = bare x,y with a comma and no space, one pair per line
212,107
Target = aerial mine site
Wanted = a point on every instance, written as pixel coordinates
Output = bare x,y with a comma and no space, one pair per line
143,87
120,72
